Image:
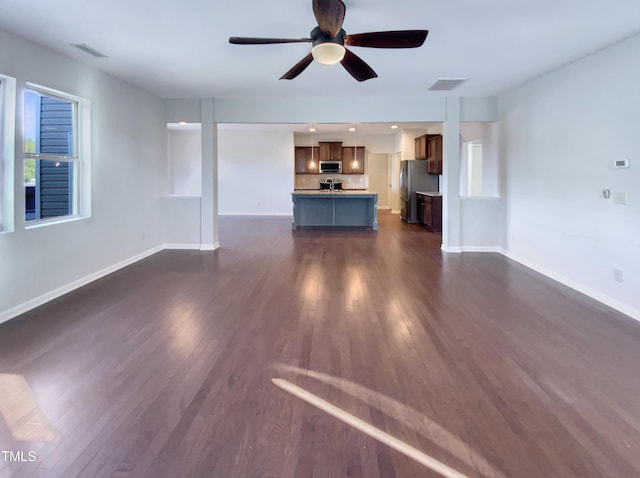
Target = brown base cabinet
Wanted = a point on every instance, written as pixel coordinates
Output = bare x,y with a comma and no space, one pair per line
430,211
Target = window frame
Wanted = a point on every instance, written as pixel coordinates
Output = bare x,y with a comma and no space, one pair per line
79,157
7,152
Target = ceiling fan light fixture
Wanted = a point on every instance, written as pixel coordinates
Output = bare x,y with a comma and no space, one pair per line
328,53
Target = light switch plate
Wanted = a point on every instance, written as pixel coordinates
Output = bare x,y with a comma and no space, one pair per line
619,197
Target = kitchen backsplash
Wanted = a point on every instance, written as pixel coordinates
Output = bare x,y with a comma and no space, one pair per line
349,181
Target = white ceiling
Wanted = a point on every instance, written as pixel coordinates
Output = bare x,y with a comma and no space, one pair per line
180,49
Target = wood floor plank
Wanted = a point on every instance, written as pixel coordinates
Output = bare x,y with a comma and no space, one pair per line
165,368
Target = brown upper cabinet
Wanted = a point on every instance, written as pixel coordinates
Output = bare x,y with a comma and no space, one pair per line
353,160
421,147
306,160
330,151
429,147
434,159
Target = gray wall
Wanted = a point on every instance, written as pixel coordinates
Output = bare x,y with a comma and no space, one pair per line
128,173
560,135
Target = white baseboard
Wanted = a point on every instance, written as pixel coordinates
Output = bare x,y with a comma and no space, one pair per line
453,250
65,289
594,294
255,214
480,249
395,211
183,246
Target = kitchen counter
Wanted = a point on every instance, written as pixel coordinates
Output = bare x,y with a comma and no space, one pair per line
326,208
317,189
343,192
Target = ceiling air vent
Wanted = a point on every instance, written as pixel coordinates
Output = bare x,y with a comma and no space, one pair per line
447,84
87,49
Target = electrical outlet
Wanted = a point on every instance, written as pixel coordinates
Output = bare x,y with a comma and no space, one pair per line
619,197
618,276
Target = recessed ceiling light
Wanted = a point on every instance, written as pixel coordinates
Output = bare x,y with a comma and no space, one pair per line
394,126
352,129
312,129
182,123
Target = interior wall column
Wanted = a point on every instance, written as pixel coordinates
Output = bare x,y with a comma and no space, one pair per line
209,200
451,177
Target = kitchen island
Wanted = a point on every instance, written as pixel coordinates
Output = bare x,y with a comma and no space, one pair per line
328,208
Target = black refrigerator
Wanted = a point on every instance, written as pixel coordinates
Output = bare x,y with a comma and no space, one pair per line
414,177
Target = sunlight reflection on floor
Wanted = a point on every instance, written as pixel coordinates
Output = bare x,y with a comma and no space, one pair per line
25,419
404,414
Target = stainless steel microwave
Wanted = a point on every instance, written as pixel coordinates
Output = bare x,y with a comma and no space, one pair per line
334,167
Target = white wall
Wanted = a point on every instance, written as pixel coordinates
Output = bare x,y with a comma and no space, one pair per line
481,223
559,136
378,168
184,158
255,172
128,171
181,216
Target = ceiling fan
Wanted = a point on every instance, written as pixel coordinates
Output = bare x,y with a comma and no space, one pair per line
329,41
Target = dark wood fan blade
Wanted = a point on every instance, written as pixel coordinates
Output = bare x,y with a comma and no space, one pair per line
330,15
357,67
265,41
298,68
391,39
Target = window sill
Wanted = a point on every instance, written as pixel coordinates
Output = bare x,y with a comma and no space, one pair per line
52,221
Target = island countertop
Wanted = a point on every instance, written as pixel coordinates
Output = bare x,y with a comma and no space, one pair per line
336,192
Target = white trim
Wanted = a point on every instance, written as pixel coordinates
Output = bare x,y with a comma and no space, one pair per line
594,294
452,250
65,289
36,223
8,120
480,249
395,211
182,246
255,214
81,157
384,208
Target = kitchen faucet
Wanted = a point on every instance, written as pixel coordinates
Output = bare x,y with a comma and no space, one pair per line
330,181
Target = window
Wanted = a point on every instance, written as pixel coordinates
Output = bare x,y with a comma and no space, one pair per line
53,161
7,150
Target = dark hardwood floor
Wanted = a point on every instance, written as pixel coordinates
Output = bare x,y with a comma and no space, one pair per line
426,364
